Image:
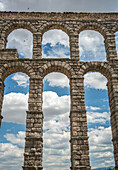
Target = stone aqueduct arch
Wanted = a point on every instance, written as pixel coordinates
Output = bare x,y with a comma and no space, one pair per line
36,68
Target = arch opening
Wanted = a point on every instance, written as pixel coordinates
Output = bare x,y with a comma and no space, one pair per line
22,40
55,44
98,120
91,46
56,108
13,125
116,40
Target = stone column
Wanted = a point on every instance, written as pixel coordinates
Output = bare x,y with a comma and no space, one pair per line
113,102
74,46
3,40
110,46
37,45
1,98
79,137
34,128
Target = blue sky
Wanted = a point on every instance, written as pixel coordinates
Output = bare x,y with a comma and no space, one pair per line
56,92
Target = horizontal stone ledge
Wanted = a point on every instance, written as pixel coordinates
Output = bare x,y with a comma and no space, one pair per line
34,137
38,114
8,54
78,111
36,78
34,111
30,154
79,138
32,167
77,78
81,167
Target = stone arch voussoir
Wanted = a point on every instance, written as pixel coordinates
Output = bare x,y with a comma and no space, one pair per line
61,67
115,28
95,27
102,67
13,67
55,25
16,25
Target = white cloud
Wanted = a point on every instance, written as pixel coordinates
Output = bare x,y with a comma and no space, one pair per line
57,51
57,131
22,79
101,149
16,139
56,36
56,138
9,150
16,104
54,105
96,117
95,80
11,155
62,5
22,40
57,79
14,108
91,46
57,134
93,108
2,7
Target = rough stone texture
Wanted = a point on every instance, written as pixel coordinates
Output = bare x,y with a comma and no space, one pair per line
36,68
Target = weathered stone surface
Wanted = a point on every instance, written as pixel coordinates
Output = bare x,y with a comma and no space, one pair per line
36,68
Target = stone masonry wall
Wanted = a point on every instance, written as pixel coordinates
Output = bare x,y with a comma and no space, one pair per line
37,67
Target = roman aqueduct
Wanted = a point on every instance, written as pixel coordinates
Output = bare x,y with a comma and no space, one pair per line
37,67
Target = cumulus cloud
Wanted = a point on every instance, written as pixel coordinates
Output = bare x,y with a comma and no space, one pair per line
54,105
22,79
56,126
100,138
11,154
57,51
101,148
22,40
93,108
57,79
62,6
14,107
16,104
56,36
16,139
57,132
96,117
55,44
56,139
95,80
2,7
91,44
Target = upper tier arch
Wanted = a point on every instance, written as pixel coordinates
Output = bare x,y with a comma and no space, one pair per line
13,26
14,67
61,67
50,26
103,67
93,26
